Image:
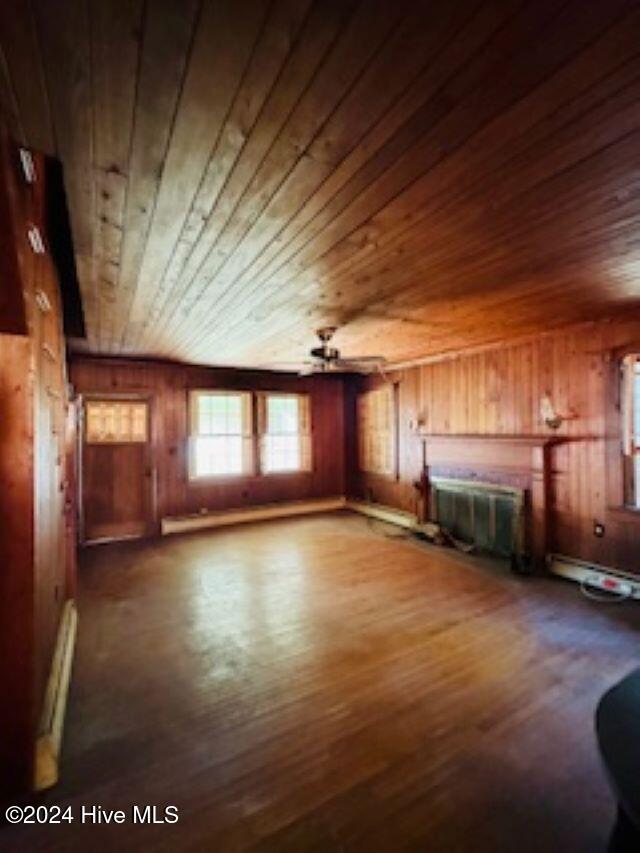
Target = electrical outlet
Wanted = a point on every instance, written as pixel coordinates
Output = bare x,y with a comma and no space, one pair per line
598,529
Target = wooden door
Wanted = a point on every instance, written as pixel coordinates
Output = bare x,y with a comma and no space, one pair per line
117,500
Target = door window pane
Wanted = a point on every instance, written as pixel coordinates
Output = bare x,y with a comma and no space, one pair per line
115,422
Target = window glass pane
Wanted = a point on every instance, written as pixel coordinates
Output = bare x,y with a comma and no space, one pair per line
221,429
376,433
219,414
283,414
286,443
636,403
215,455
115,422
635,438
282,453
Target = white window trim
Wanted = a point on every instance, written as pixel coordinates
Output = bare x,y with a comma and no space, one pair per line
306,434
631,431
249,453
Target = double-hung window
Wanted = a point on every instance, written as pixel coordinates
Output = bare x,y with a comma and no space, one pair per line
221,442
285,441
377,438
227,440
631,431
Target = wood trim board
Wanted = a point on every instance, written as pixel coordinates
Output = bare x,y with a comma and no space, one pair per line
49,741
183,524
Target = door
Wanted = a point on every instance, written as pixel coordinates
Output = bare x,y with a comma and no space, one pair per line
117,500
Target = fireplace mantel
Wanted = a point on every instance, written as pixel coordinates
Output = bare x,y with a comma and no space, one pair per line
526,456
516,452
502,438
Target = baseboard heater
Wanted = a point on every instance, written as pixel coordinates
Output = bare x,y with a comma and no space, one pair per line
384,513
594,575
49,739
243,515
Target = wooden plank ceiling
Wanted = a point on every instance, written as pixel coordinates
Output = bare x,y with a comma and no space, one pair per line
426,175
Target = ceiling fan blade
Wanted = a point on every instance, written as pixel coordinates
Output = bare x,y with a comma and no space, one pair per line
364,359
311,368
284,365
326,359
360,365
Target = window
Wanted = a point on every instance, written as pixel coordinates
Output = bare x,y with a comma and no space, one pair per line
377,431
115,422
221,436
285,439
631,416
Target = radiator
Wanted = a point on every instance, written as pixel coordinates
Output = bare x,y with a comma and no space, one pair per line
486,515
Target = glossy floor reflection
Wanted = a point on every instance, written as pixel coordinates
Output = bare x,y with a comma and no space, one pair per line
313,685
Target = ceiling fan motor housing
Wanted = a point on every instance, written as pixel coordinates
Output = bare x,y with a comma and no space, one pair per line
325,352
326,333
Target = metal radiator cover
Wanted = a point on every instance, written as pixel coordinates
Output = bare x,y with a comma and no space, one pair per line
483,514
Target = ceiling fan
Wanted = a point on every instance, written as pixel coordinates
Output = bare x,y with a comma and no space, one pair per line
327,359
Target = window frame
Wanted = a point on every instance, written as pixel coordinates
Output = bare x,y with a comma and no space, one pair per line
629,406
90,401
392,471
256,420
249,455
306,436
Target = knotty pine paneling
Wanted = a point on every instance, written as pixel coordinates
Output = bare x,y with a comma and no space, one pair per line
427,176
497,392
168,386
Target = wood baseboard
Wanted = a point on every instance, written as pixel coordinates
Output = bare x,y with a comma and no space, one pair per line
202,521
383,513
181,524
49,739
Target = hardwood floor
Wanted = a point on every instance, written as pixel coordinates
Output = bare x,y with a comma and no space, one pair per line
314,685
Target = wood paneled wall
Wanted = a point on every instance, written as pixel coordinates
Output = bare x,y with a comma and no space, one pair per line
497,392
168,386
36,562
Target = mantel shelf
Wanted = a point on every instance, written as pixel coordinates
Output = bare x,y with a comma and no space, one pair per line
527,440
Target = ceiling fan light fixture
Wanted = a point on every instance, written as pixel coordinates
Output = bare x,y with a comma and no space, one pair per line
327,359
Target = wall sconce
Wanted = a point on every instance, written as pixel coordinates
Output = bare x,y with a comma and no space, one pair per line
418,425
550,416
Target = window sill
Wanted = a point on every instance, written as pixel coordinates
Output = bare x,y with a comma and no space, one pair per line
629,514
210,479
295,473
220,479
